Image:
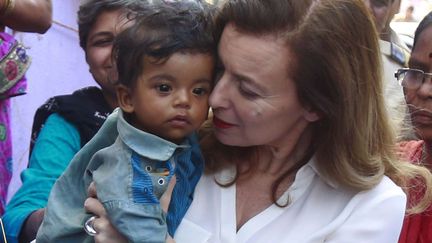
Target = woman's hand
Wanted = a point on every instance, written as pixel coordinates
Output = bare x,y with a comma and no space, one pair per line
166,197
165,201
106,233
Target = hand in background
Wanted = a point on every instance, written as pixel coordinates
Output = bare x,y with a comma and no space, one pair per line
27,15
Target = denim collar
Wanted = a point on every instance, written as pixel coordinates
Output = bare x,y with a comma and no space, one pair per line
146,144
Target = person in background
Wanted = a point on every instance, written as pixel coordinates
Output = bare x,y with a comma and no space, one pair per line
68,122
165,63
417,84
25,16
408,16
300,147
394,53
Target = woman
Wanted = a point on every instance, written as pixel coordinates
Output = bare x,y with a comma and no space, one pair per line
300,149
68,121
416,81
17,16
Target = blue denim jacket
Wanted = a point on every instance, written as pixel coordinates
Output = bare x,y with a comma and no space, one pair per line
130,177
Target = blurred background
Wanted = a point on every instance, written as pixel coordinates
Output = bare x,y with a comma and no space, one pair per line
406,21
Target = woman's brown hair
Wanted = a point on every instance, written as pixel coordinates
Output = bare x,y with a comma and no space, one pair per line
337,73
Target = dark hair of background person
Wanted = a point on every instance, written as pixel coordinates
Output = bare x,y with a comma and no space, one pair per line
90,10
426,22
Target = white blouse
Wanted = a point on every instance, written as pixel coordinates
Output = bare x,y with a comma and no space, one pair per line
320,211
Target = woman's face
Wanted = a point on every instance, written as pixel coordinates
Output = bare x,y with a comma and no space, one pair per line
255,100
383,12
99,47
420,100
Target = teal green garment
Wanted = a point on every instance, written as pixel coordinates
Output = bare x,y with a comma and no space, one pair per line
56,144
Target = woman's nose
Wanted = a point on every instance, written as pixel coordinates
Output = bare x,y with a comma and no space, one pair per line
425,90
218,97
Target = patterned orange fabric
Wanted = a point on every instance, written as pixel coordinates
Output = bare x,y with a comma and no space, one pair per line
416,228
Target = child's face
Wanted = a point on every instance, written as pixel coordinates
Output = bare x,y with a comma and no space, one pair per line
170,99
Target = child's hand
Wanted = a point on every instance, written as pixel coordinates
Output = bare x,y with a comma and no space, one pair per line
166,197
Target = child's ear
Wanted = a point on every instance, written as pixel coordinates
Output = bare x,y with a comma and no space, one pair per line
124,98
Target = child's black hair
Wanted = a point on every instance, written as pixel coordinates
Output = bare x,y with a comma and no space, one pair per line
160,30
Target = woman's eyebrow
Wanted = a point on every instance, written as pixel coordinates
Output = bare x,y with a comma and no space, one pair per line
413,63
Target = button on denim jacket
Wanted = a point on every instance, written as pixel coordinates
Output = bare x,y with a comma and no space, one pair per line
130,176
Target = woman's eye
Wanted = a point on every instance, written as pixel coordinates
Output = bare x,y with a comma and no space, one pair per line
380,3
248,94
163,88
103,42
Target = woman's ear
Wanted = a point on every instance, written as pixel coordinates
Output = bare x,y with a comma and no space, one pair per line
124,98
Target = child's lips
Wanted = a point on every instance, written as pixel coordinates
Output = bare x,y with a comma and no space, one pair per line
179,121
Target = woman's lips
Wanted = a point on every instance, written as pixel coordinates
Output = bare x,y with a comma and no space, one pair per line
218,123
421,117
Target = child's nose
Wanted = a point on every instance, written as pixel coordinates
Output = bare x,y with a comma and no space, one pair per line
182,99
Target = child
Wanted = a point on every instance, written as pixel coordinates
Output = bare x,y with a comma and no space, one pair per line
165,63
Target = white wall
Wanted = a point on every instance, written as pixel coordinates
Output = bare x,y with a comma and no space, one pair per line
421,7
58,67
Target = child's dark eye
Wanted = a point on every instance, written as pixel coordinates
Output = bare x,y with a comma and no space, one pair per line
163,88
200,91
